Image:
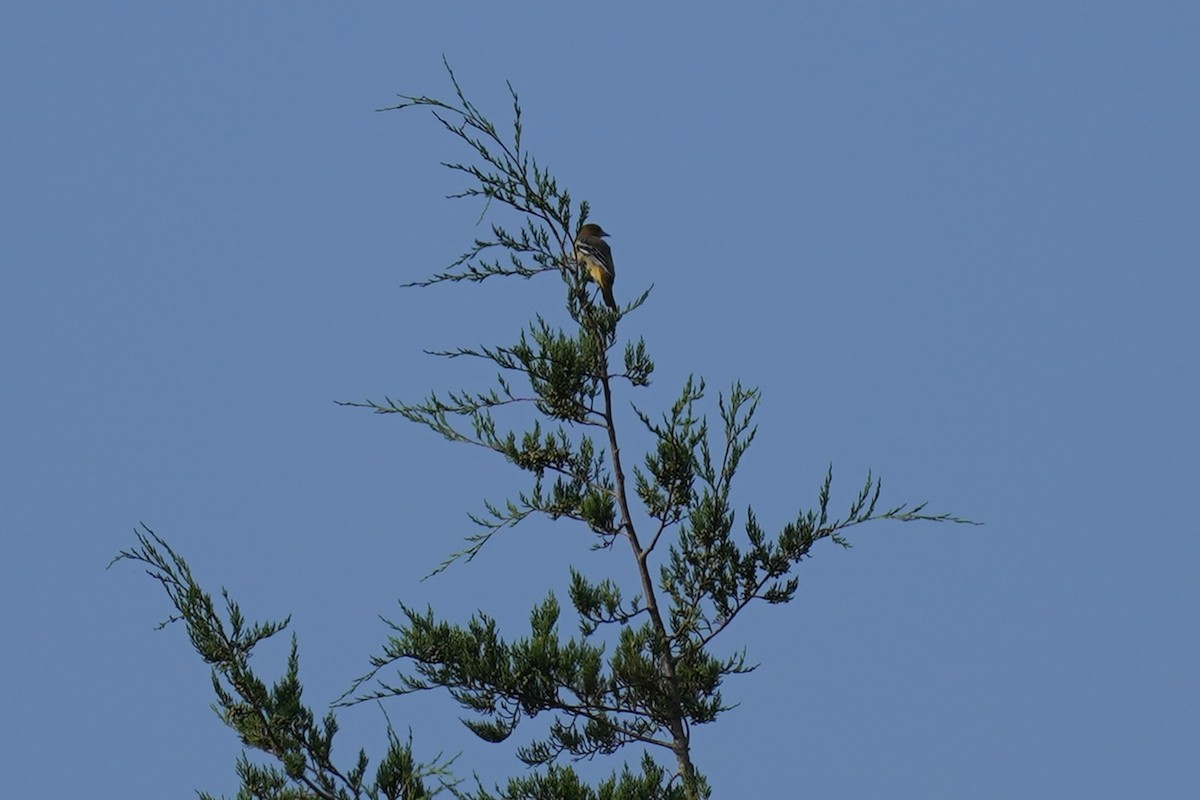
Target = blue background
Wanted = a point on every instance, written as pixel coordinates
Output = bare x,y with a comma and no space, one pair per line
954,243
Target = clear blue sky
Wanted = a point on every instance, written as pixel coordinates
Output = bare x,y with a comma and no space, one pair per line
954,243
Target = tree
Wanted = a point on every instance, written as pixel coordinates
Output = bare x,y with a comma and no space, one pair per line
643,670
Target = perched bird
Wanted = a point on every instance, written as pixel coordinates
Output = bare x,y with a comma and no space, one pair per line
593,253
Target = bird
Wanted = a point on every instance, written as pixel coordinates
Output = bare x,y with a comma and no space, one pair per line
594,254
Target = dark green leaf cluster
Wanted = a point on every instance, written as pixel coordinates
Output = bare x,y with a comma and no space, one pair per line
665,487
711,573
569,383
561,372
274,720
598,709
562,783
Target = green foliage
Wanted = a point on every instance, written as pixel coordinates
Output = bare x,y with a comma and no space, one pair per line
641,671
273,720
562,783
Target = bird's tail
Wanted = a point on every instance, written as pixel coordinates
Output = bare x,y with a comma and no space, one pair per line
609,300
